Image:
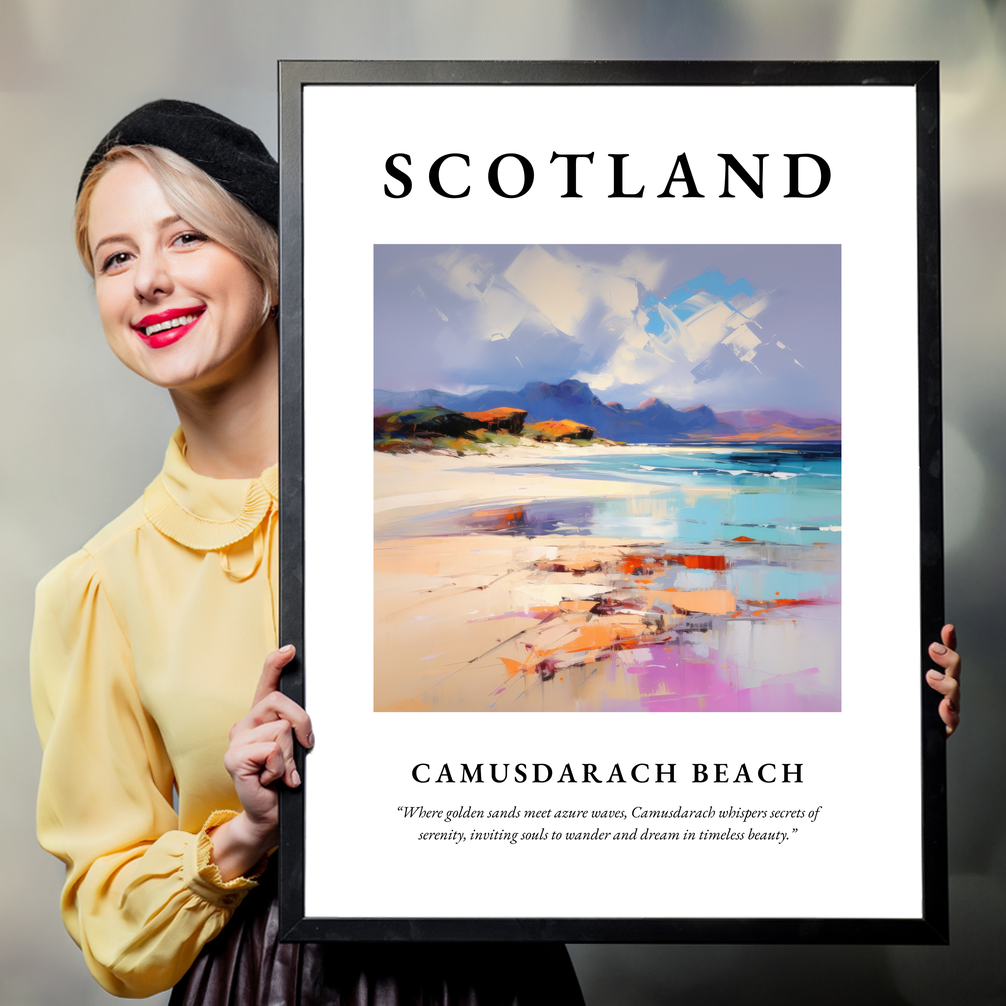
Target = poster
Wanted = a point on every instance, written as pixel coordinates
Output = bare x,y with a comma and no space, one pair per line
625,643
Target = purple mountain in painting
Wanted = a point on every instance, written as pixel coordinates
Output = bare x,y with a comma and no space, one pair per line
761,419
652,421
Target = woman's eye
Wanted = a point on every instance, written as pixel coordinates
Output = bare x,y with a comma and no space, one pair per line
190,238
114,261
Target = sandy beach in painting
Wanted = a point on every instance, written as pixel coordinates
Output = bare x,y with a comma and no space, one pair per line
499,585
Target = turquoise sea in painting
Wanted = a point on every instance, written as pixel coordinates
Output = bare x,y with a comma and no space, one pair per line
775,494
783,495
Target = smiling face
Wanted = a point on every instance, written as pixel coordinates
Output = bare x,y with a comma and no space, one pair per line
177,307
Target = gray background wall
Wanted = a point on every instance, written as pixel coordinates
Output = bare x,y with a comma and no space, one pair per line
82,436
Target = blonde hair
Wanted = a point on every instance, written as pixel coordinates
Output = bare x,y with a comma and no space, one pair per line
199,200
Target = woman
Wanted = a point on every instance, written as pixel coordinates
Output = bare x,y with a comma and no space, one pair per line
148,643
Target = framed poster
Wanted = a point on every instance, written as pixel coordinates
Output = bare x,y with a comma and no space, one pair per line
611,501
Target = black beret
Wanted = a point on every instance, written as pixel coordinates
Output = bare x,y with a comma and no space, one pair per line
231,154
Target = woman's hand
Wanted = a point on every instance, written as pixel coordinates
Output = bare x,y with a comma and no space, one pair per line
947,682
260,753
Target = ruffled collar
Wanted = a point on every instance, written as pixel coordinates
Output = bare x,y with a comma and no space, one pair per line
203,513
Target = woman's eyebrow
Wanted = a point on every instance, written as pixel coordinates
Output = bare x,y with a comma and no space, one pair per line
160,225
109,240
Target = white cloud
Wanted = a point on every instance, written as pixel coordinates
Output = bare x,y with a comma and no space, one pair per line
565,291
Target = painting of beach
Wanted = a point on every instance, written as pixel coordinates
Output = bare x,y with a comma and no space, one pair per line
607,478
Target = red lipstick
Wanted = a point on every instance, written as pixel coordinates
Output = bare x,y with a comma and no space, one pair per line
165,332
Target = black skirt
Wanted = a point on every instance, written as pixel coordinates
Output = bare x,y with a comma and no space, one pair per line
246,965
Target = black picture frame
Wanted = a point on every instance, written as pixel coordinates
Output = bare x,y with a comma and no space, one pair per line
932,925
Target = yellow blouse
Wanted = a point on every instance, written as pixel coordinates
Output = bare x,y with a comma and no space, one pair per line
147,647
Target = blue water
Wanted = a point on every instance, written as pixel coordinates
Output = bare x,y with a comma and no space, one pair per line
820,466
770,494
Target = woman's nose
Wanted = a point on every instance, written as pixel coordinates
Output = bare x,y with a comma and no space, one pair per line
152,277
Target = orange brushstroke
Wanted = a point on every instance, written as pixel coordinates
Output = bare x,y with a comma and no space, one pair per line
718,562
559,428
494,416
743,537
706,602
768,607
632,562
790,602
636,563
512,666
588,639
577,605
599,637
499,518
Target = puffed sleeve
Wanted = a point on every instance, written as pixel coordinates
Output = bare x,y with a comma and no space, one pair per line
141,898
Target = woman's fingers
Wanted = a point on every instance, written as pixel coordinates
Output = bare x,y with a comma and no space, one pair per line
278,735
945,655
947,680
949,712
271,671
947,686
261,749
274,766
277,706
270,703
949,636
260,761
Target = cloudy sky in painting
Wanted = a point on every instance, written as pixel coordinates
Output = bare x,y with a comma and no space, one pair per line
729,326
